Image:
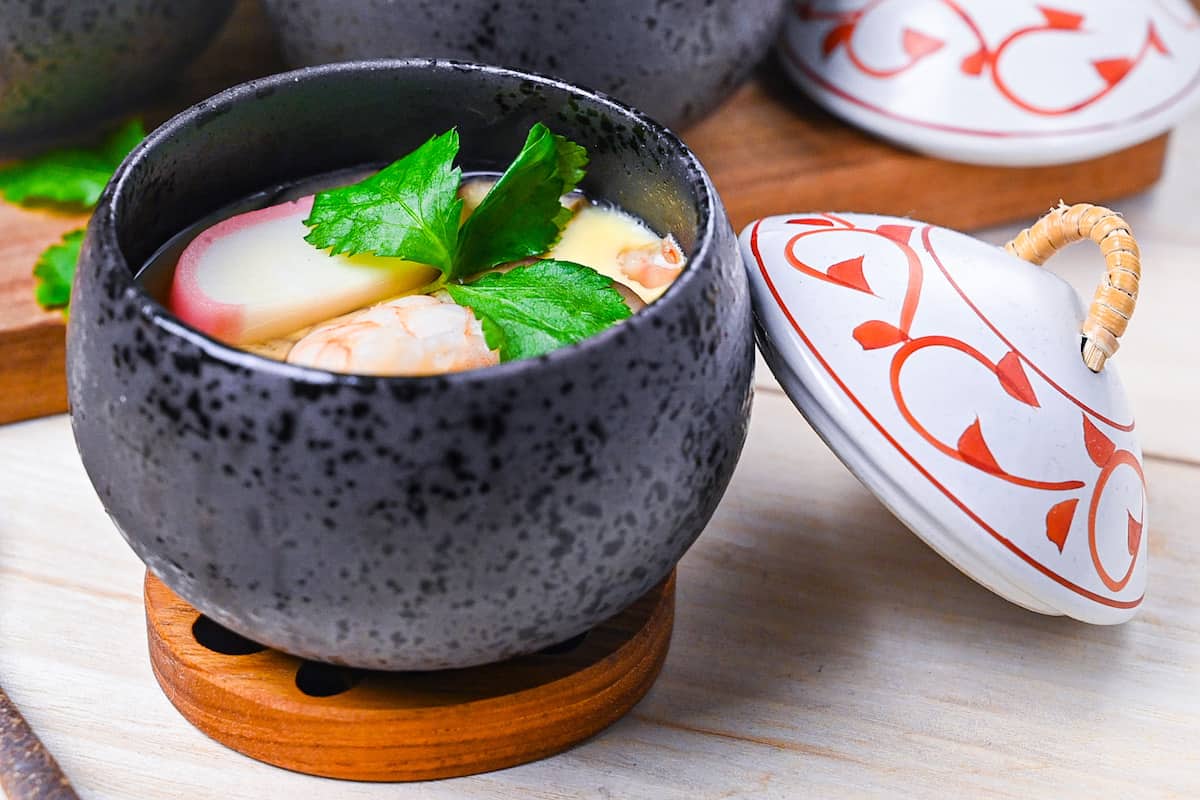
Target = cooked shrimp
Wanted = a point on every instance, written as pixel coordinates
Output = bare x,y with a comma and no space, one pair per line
414,335
652,265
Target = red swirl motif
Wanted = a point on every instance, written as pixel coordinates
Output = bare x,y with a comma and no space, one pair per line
1011,377
986,61
1121,458
971,447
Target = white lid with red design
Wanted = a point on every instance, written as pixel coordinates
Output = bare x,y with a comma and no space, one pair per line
946,373
1023,82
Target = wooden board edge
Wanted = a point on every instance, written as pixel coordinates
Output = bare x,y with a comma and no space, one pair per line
35,378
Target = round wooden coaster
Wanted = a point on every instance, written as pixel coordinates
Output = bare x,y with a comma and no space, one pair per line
380,726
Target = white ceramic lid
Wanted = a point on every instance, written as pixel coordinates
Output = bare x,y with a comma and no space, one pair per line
1019,82
946,374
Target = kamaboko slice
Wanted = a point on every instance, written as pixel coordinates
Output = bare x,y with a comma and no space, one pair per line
253,277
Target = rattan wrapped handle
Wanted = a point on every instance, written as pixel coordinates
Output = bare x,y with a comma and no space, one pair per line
1116,296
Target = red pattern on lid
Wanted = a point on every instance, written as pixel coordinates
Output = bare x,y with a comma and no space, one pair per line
997,58
973,447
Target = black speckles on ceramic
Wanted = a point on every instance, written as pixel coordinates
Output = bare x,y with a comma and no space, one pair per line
673,59
69,62
407,523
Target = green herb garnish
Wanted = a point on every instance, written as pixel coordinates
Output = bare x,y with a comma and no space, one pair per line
408,210
411,210
522,215
73,177
76,176
549,304
55,269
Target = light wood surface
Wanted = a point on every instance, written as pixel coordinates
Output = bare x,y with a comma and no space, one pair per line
820,650
769,151
362,725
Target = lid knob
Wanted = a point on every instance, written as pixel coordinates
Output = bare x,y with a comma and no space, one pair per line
1116,296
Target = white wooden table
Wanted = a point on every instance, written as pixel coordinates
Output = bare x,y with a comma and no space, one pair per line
820,650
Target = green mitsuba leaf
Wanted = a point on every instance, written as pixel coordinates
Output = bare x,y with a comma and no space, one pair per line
74,176
407,210
521,216
411,210
55,270
549,304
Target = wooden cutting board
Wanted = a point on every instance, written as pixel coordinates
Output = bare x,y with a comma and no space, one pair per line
769,151
32,344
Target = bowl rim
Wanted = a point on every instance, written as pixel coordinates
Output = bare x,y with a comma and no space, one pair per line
103,228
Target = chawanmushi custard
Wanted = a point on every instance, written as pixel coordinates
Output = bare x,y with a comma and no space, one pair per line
416,270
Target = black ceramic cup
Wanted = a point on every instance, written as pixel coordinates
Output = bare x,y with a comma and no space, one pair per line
67,64
407,523
674,60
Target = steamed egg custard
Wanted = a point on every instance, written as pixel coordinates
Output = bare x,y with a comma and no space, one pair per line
622,247
415,271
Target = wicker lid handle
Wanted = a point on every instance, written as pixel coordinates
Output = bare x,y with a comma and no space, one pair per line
1116,296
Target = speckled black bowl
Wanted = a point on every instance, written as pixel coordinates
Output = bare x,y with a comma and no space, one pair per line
673,59
407,523
65,64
